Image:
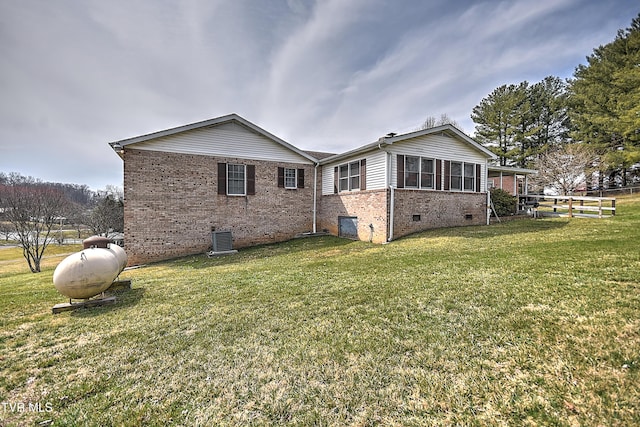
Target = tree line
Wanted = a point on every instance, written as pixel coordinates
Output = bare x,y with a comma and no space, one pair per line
596,112
31,209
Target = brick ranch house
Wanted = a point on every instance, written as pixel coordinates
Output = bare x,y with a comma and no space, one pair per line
227,174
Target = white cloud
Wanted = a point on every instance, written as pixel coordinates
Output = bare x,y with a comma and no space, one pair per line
323,75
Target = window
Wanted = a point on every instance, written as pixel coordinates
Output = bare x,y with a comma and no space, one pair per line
350,176
290,178
427,173
456,175
236,180
354,176
416,172
344,177
469,176
411,172
437,174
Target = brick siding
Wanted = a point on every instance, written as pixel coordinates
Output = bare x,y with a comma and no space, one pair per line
436,209
369,206
506,183
172,204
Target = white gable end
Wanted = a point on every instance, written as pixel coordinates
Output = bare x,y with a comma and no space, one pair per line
224,140
439,146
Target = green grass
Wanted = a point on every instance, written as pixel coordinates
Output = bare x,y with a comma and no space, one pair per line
531,322
12,261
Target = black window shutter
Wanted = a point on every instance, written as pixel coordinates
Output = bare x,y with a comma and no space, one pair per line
400,171
478,177
281,177
300,178
363,174
222,178
438,174
335,180
447,174
251,180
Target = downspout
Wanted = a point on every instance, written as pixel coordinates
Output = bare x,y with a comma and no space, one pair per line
388,184
392,201
391,210
315,197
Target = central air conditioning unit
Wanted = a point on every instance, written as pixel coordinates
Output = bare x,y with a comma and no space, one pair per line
221,243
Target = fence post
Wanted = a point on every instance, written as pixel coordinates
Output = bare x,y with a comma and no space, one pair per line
613,207
570,206
599,208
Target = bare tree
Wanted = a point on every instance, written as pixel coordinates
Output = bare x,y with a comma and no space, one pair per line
564,168
432,122
107,216
5,228
33,208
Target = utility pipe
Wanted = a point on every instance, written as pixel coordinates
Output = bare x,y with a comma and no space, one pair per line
315,197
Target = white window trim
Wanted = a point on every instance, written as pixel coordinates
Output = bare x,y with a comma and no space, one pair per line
406,172
420,185
244,184
473,177
349,176
433,174
295,178
463,177
352,175
451,175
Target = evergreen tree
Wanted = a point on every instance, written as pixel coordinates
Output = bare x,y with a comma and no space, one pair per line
497,118
519,122
550,116
605,102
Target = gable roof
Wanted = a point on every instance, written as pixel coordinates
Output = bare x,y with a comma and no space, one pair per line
447,129
319,154
118,145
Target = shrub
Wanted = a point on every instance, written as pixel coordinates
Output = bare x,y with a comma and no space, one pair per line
503,202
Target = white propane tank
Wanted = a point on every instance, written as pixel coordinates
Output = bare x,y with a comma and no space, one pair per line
120,254
87,273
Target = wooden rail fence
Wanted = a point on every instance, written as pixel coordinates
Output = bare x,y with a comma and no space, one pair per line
569,206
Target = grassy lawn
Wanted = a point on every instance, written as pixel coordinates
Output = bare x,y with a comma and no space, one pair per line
531,322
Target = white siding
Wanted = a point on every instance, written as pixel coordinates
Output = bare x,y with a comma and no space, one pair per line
225,140
438,147
376,171
327,179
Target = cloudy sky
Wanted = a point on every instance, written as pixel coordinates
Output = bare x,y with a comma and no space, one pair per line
324,75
